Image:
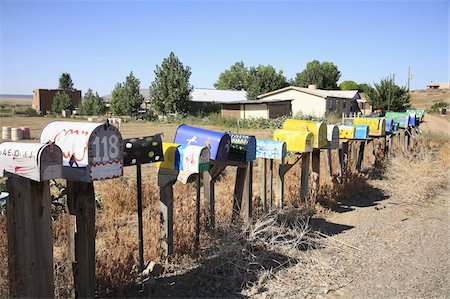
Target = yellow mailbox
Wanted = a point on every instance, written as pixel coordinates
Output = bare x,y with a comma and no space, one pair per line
346,132
317,128
377,126
296,141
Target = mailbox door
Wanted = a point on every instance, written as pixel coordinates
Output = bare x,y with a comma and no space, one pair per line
243,148
218,143
346,132
142,150
50,161
388,125
412,119
361,132
193,158
270,149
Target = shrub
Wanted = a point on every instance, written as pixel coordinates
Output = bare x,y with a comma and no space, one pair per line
30,112
435,107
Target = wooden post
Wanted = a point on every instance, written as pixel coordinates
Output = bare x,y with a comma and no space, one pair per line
209,200
263,182
271,183
316,162
166,219
279,184
238,192
81,203
197,211
408,139
343,155
305,176
360,155
30,243
248,191
329,161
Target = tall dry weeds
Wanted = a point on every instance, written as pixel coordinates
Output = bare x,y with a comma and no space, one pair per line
4,288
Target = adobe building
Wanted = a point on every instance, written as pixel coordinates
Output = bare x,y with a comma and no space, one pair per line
248,109
43,98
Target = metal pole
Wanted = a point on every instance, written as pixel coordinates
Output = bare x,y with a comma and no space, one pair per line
139,207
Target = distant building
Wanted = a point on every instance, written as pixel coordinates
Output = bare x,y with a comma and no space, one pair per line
247,109
202,99
445,85
43,98
316,102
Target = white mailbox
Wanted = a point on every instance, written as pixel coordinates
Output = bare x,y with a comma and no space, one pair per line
35,161
91,151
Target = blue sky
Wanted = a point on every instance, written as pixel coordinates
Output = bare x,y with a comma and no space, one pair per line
100,42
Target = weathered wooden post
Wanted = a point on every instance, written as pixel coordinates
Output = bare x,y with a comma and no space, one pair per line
138,151
333,144
346,133
29,167
91,151
269,150
183,163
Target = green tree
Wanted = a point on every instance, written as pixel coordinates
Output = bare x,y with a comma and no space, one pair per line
65,81
324,75
235,78
348,85
388,96
92,104
170,91
61,101
365,87
126,98
262,79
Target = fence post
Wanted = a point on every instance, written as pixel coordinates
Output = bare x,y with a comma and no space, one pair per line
304,176
360,155
316,162
263,182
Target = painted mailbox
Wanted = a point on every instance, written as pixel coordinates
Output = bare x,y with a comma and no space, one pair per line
243,148
333,136
91,151
402,118
377,126
142,150
218,143
391,126
412,119
419,113
346,132
296,141
35,161
361,132
318,129
189,158
270,149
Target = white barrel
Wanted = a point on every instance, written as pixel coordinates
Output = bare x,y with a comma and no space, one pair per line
16,134
6,133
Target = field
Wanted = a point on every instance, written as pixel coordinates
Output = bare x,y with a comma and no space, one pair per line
367,235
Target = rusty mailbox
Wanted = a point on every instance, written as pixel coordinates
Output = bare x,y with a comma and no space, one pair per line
35,161
91,151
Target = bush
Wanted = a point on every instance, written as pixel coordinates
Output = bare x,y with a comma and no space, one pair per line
30,112
435,107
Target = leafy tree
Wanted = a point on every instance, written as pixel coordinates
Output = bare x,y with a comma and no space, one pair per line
365,87
389,96
264,79
171,89
65,81
348,85
126,98
235,78
92,104
61,101
324,75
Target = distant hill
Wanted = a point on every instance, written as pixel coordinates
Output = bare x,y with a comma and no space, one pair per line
16,96
423,99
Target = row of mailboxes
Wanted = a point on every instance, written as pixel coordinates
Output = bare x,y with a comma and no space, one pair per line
318,129
377,126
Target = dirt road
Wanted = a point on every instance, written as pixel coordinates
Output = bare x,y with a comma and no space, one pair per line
434,123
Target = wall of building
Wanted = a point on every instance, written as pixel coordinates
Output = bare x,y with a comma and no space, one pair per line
231,111
279,109
340,105
43,98
254,111
302,102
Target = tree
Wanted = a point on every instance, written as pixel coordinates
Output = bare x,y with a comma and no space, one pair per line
61,101
126,98
388,96
92,104
324,75
65,82
170,91
348,85
235,78
264,79
365,87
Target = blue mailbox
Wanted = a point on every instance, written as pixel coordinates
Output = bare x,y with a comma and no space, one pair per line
243,148
361,132
270,149
217,142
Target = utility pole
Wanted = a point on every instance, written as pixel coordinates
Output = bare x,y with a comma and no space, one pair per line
389,93
409,77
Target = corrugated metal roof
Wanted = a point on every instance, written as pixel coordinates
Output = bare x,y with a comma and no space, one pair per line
345,94
202,95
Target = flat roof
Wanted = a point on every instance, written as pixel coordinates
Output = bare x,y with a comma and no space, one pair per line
257,101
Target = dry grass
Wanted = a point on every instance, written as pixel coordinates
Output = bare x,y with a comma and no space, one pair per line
424,99
4,289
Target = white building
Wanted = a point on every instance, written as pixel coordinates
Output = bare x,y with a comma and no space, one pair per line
316,102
